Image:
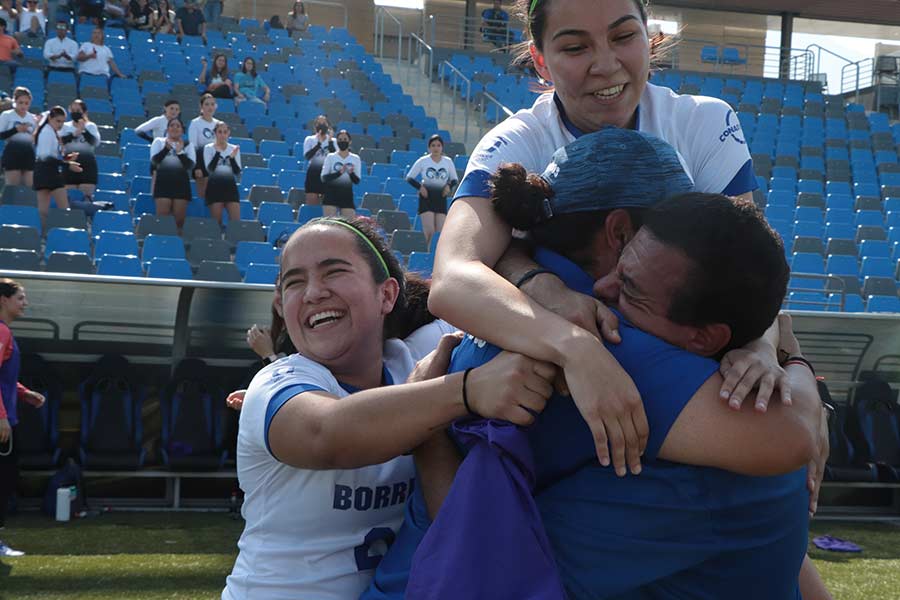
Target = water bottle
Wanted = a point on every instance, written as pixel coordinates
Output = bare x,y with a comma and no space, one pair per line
63,504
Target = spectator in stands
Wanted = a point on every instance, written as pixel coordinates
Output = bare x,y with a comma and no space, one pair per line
189,21
96,58
32,21
212,10
90,10
9,49
50,164
315,148
171,162
341,170
248,86
140,15
156,127
201,132
9,13
164,21
13,303
216,80
297,19
17,127
80,135
275,23
223,163
60,51
495,25
592,89
344,304
438,180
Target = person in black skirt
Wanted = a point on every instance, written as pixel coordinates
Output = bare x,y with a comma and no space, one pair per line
223,163
171,161
315,148
50,163
80,135
340,172
17,127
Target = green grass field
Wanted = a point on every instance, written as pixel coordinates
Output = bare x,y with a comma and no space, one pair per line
150,556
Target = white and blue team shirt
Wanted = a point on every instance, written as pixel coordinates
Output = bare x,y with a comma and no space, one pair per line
334,162
10,118
155,127
314,534
319,157
435,175
705,133
201,132
48,145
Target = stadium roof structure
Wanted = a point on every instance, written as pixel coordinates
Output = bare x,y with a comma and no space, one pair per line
883,12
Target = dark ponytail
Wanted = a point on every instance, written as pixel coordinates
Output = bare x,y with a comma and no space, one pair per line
56,111
518,196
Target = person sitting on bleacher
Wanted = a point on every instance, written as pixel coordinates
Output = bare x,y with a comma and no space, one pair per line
9,13
32,21
9,48
156,127
165,18
495,25
60,51
340,172
189,21
140,15
90,9
216,78
248,86
96,58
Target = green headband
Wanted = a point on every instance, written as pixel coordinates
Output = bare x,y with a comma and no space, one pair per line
387,272
533,4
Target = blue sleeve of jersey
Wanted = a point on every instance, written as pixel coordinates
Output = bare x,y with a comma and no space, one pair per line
474,183
666,377
279,399
743,182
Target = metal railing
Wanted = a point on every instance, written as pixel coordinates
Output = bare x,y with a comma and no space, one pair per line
751,59
380,14
456,77
856,76
422,56
471,33
486,103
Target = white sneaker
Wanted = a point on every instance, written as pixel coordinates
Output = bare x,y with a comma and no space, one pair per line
7,551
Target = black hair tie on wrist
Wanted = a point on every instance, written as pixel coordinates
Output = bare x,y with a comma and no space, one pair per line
465,396
530,274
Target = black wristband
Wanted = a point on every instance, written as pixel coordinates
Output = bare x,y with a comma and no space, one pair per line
530,274
798,359
465,396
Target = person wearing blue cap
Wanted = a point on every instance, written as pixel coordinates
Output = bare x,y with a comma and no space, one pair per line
699,531
595,58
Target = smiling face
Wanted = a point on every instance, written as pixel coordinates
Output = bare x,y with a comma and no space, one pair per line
221,62
333,309
13,307
173,111
175,130
597,55
643,284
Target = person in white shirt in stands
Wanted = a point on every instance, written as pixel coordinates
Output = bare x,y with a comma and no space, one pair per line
95,58
60,51
156,127
32,21
49,181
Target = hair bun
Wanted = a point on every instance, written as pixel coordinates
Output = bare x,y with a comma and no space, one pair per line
518,196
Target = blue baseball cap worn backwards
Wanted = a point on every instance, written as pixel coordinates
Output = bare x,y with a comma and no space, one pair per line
613,168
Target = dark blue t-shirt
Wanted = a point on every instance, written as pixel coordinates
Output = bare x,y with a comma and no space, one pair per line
674,531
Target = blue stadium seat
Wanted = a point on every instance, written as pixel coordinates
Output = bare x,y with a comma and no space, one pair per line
112,242
270,147
809,213
120,265
807,301
838,264
883,304
852,303
803,262
162,246
261,273
274,211
108,220
869,217
875,249
254,252
282,162
20,215
291,179
67,239
279,228
139,185
308,212
421,263
170,268
876,267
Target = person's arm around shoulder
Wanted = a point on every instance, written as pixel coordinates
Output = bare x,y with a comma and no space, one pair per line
748,442
313,430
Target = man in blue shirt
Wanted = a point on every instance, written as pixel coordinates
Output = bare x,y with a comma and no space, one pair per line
675,530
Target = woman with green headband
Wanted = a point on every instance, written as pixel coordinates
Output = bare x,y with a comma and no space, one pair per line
324,433
595,57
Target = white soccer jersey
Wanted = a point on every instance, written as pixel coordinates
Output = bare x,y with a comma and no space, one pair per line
435,175
10,118
316,535
319,157
202,132
704,131
334,162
